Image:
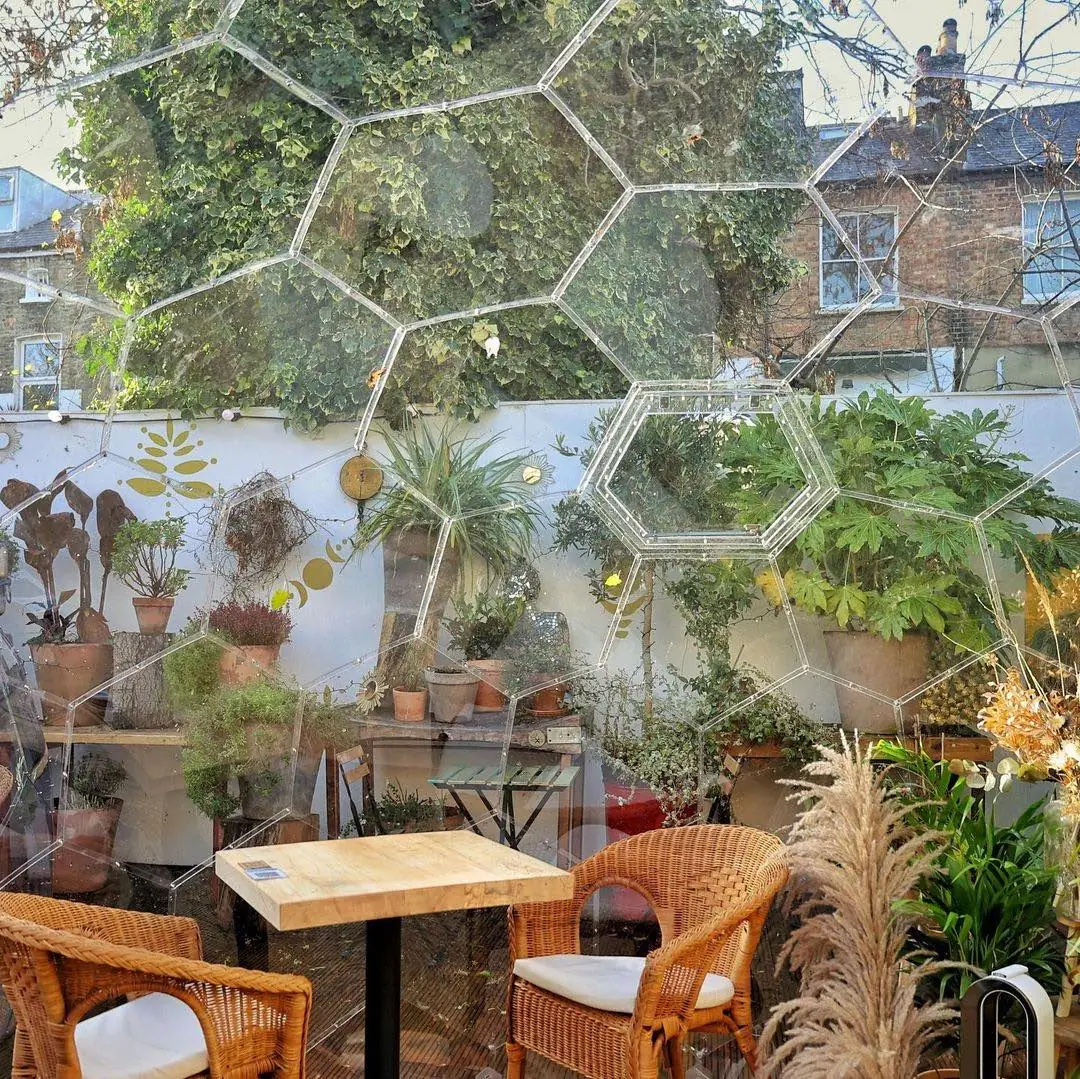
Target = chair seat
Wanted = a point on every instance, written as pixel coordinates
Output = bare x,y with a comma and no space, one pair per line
152,1037
607,982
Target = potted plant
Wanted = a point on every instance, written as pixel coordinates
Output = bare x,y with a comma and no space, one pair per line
247,732
480,630
144,558
410,695
72,652
398,810
886,578
452,691
483,499
254,633
86,825
540,660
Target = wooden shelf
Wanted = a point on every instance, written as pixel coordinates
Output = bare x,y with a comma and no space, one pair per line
483,728
100,735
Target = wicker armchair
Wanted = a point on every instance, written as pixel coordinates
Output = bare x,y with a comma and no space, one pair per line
59,960
711,887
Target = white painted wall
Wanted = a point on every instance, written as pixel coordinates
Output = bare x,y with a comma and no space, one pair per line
340,624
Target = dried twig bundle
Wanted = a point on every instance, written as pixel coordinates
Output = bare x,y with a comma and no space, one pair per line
852,857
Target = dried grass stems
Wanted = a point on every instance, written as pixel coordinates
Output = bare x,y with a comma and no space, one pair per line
852,857
257,526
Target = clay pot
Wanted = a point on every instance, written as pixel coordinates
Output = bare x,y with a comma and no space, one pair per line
549,701
81,863
453,694
410,706
153,612
489,697
759,800
890,668
67,671
243,663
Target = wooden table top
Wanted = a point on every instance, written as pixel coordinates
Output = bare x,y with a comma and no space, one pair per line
388,876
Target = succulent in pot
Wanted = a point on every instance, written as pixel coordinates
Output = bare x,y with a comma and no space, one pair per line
253,634
144,558
72,650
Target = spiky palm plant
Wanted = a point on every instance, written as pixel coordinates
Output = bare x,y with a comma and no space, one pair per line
852,858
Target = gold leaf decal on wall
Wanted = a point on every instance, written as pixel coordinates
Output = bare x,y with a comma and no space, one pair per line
168,456
318,573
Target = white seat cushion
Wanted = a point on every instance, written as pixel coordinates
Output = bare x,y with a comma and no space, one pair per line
607,982
151,1037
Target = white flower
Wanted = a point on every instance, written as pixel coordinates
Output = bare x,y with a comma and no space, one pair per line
491,347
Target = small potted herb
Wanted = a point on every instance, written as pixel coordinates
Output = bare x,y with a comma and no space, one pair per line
480,631
410,695
540,660
144,558
86,825
254,633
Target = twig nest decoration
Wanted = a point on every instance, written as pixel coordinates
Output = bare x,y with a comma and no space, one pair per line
360,478
258,529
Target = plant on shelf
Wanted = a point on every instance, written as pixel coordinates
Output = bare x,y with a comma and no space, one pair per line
988,898
253,634
68,668
247,732
479,632
86,824
144,558
437,478
410,693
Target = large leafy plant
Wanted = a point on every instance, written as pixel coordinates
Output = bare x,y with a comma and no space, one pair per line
866,564
989,900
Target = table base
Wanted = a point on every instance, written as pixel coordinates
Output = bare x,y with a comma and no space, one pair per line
382,993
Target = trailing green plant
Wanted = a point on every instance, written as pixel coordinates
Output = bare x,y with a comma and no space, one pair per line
192,672
144,557
248,730
491,508
204,166
94,780
989,899
481,626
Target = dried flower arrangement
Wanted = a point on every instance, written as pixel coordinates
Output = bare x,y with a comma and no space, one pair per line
856,1012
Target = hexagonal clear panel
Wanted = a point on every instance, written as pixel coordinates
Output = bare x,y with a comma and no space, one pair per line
269,314
680,469
430,215
366,65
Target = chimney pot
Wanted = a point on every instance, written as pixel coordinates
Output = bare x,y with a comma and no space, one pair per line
948,39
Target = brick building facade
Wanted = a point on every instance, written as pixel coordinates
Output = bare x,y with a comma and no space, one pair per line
969,214
40,233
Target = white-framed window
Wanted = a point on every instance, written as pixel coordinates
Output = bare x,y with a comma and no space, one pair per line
1051,248
37,373
40,275
843,281
7,201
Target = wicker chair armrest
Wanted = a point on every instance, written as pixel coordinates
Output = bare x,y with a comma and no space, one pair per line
674,973
555,928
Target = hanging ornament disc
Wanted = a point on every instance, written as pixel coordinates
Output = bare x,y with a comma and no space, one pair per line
360,478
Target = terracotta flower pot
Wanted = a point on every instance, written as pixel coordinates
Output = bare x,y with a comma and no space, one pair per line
153,612
890,668
489,697
67,671
453,694
243,663
549,701
410,706
81,863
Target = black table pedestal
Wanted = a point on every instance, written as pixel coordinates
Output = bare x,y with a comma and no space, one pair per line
382,992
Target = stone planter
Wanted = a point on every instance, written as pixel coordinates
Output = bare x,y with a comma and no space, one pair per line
890,668
153,613
81,863
453,694
489,695
64,673
410,706
243,663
